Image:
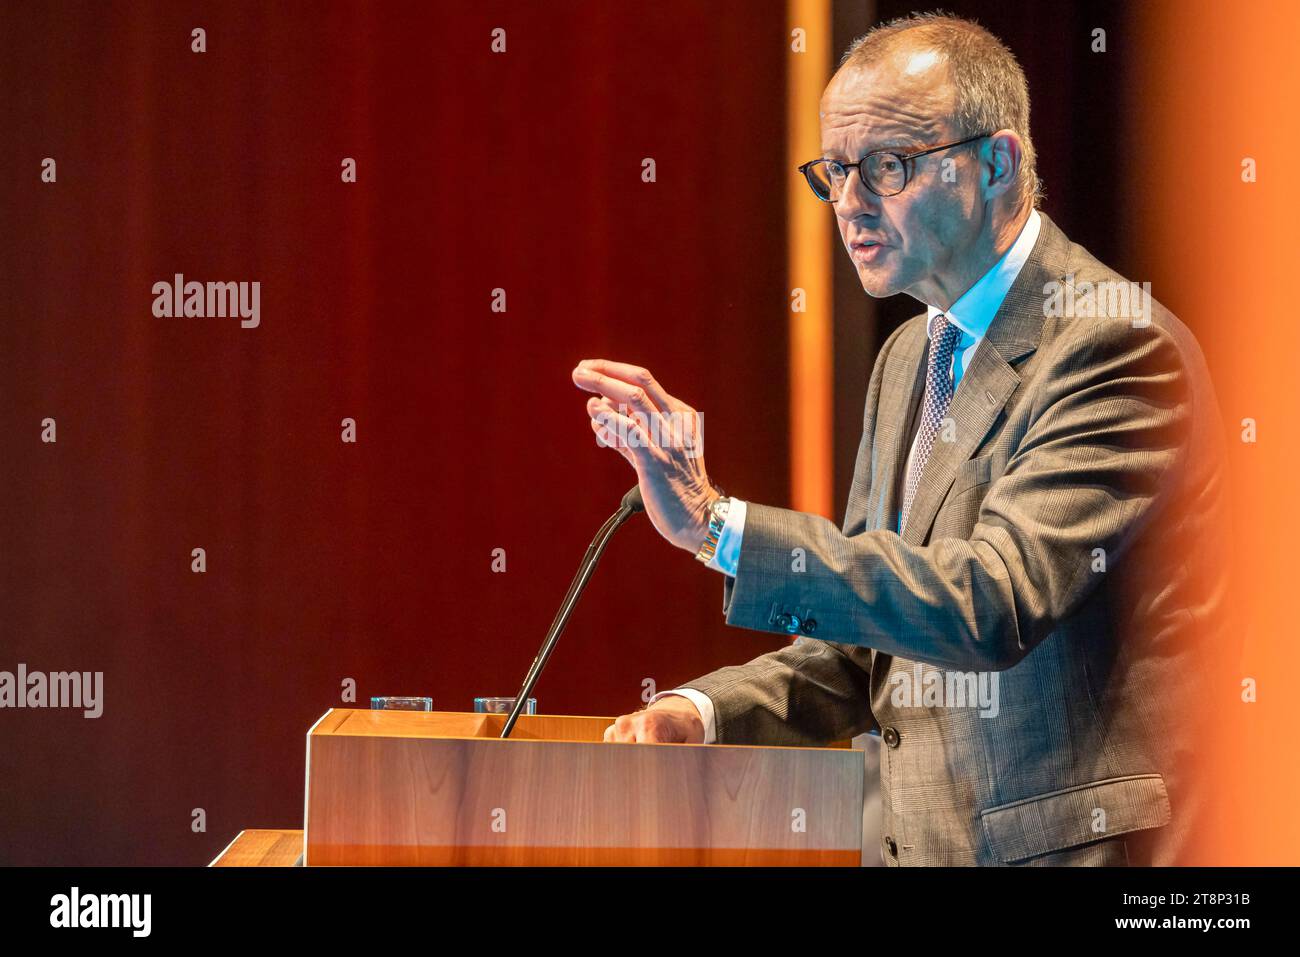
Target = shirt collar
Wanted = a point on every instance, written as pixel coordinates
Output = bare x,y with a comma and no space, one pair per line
973,312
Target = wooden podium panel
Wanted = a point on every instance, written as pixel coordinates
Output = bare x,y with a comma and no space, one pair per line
262,848
441,788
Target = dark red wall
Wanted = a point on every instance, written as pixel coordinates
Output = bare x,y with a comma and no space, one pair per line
370,561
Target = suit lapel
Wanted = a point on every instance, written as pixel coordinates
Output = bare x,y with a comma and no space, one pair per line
981,395
900,396
984,389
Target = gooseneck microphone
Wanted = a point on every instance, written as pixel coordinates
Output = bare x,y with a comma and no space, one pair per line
631,504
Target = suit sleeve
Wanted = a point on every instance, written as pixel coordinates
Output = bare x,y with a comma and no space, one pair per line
809,693
1093,468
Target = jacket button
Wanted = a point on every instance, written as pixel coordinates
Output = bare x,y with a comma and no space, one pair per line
789,622
891,737
891,846
810,626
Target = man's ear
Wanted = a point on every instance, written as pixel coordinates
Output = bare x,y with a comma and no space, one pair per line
1001,158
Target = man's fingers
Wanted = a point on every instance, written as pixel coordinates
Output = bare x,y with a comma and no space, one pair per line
645,727
631,385
632,375
624,432
598,404
632,396
654,429
624,729
610,440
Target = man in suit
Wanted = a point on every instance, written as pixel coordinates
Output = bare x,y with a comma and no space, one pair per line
1023,596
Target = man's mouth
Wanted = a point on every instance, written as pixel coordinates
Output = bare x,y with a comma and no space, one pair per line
865,250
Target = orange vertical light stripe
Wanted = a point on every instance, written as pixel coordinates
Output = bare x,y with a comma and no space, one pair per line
811,338
1216,92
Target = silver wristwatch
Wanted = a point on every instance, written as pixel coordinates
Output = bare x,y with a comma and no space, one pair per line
718,509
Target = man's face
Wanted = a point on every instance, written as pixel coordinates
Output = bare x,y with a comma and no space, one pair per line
917,240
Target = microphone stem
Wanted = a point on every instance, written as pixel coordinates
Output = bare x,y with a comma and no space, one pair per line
585,570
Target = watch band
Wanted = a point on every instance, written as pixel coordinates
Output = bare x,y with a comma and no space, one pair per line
718,509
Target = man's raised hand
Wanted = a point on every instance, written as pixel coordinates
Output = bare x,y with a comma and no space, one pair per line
661,438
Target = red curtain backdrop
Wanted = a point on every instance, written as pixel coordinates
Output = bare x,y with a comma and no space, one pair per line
326,561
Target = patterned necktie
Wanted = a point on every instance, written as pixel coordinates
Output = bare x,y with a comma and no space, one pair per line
938,393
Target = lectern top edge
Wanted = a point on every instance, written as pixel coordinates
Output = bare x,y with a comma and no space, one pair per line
462,725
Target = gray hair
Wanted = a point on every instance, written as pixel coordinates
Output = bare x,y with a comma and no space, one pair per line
989,86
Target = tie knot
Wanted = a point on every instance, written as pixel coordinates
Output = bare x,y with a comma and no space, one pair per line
944,334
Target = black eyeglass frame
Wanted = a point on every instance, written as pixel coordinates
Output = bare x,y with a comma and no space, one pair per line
904,158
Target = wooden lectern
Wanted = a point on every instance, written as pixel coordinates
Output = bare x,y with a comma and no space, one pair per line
442,788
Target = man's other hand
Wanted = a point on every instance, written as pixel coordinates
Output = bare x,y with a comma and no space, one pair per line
670,720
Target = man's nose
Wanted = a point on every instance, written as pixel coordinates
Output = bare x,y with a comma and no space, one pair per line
855,199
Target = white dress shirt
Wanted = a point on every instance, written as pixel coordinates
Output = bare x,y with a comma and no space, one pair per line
973,312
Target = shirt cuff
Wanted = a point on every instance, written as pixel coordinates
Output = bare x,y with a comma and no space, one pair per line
726,557
703,704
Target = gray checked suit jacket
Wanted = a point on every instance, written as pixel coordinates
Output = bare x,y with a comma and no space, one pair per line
1066,541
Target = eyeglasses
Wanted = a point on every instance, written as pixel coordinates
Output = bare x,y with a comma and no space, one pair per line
885,172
